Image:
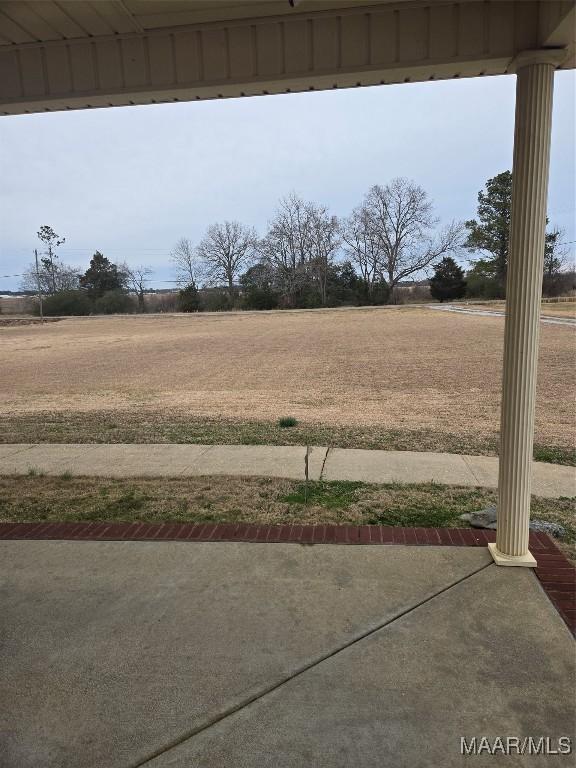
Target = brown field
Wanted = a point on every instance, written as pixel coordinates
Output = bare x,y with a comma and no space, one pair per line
559,309
390,368
16,305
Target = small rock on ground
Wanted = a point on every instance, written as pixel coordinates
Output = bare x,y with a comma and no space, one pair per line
553,529
485,518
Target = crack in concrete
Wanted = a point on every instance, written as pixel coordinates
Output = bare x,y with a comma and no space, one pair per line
321,477
305,668
476,477
199,458
20,449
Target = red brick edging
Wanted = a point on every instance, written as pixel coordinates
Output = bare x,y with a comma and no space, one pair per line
556,574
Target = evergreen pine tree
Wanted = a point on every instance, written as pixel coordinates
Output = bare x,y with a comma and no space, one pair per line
448,281
188,299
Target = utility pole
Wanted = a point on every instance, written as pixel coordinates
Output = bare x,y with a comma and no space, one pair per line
39,287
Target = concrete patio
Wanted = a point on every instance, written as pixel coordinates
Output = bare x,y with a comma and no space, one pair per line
236,654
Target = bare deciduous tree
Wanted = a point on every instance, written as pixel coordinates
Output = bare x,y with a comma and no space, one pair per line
60,277
362,247
401,221
136,278
324,243
300,245
225,251
286,244
185,259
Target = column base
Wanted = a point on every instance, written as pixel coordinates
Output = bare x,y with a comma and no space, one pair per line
527,560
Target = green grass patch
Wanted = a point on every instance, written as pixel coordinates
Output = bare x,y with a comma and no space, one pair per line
426,506
128,502
555,455
287,421
395,504
331,495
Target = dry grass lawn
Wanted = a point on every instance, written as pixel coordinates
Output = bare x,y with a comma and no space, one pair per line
559,309
390,368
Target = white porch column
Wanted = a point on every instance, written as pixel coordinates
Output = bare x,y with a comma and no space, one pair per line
534,85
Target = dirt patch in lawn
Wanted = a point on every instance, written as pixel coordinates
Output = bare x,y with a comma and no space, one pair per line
5,322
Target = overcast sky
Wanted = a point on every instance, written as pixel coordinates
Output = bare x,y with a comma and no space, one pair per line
130,181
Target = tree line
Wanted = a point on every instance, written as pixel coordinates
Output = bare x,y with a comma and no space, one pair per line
104,288
308,257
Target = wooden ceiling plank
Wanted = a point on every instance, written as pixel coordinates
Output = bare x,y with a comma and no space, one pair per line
13,31
24,15
160,15
117,16
55,16
84,15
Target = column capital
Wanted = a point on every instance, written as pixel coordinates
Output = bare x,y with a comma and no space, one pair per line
552,56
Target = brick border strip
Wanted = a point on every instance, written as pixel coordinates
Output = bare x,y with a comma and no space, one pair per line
556,574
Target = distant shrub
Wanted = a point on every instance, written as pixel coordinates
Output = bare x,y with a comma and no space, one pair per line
260,298
114,303
483,287
287,421
188,299
215,301
259,287
162,302
380,294
64,303
561,284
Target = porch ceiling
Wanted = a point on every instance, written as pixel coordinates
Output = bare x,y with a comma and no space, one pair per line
24,21
71,55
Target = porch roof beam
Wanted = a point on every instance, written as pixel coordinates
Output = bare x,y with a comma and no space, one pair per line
332,48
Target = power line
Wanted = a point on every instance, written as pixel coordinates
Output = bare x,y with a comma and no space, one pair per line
176,282
108,250
161,251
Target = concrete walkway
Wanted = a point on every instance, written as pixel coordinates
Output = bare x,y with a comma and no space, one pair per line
173,655
547,320
170,460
